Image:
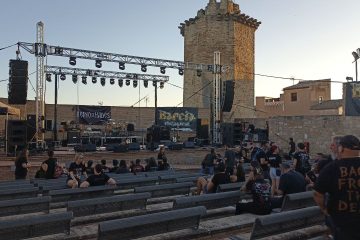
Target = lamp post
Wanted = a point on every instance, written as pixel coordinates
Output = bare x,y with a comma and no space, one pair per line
356,56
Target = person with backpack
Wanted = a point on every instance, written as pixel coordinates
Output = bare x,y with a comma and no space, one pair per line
260,190
301,160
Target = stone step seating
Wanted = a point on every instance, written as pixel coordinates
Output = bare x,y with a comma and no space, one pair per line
298,200
147,225
33,226
229,187
108,204
24,206
287,222
166,189
14,193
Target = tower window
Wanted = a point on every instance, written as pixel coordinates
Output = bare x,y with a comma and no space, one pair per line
293,97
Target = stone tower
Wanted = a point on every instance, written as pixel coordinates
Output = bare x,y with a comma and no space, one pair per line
221,27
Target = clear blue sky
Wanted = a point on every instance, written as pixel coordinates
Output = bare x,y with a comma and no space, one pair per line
309,39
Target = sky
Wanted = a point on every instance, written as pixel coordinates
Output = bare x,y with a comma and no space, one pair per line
308,39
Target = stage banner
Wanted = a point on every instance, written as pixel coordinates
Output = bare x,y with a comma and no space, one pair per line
179,118
94,115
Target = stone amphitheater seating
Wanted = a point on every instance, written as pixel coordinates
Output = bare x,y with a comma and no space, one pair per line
64,195
166,189
23,206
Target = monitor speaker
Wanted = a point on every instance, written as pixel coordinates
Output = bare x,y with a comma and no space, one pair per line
18,78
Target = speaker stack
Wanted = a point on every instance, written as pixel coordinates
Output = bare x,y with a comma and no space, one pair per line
18,78
227,95
17,135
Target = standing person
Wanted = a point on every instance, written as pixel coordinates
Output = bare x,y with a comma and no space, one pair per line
260,190
161,155
275,172
209,162
261,157
99,178
229,158
301,160
49,165
291,147
22,164
76,170
340,179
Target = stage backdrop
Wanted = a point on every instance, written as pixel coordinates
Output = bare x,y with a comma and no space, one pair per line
181,118
94,115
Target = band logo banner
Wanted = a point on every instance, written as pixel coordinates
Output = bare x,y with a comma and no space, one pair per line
180,118
94,115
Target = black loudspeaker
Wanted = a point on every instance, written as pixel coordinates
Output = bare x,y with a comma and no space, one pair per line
176,146
130,127
228,95
31,127
134,146
352,99
121,148
202,129
189,144
227,130
164,133
18,78
17,135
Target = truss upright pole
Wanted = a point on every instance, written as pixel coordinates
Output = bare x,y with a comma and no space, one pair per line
216,111
40,53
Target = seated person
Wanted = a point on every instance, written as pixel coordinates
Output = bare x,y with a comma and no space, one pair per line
76,170
163,165
260,190
89,167
151,165
122,167
105,168
138,167
99,178
211,185
115,165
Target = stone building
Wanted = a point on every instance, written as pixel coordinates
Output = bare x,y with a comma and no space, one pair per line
220,27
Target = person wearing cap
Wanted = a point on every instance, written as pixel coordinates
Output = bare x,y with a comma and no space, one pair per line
260,190
340,179
99,178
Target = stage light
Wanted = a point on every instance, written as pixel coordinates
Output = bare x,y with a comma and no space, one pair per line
48,77
349,79
161,85
154,83
127,82
94,80
143,68
146,83
58,51
98,64
198,72
62,77
181,71
162,70
120,82
112,81
121,65
72,61
84,80
135,83
74,78
102,81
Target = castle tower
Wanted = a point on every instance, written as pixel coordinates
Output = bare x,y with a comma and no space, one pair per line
221,27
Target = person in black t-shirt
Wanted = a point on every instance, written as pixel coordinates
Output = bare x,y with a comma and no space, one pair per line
49,165
210,186
340,179
292,147
22,164
263,160
98,179
275,172
209,162
301,160
229,158
151,165
122,168
76,170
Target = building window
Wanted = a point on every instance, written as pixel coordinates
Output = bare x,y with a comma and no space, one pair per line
320,99
293,97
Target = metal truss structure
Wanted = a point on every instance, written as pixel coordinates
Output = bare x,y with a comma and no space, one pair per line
106,74
216,105
114,57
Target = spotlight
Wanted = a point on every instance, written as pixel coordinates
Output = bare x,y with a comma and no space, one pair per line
102,81
48,77
98,64
161,85
146,83
135,83
162,70
121,65
72,61
355,55
143,68
349,79
112,81
120,82
94,80
127,82
84,80
62,77
135,76
181,71
198,72
154,83
74,78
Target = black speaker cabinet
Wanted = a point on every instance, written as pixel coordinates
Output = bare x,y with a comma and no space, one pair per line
228,95
18,79
17,134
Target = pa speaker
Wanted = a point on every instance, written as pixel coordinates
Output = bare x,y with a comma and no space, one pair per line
352,99
130,127
17,134
31,126
18,78
228,95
